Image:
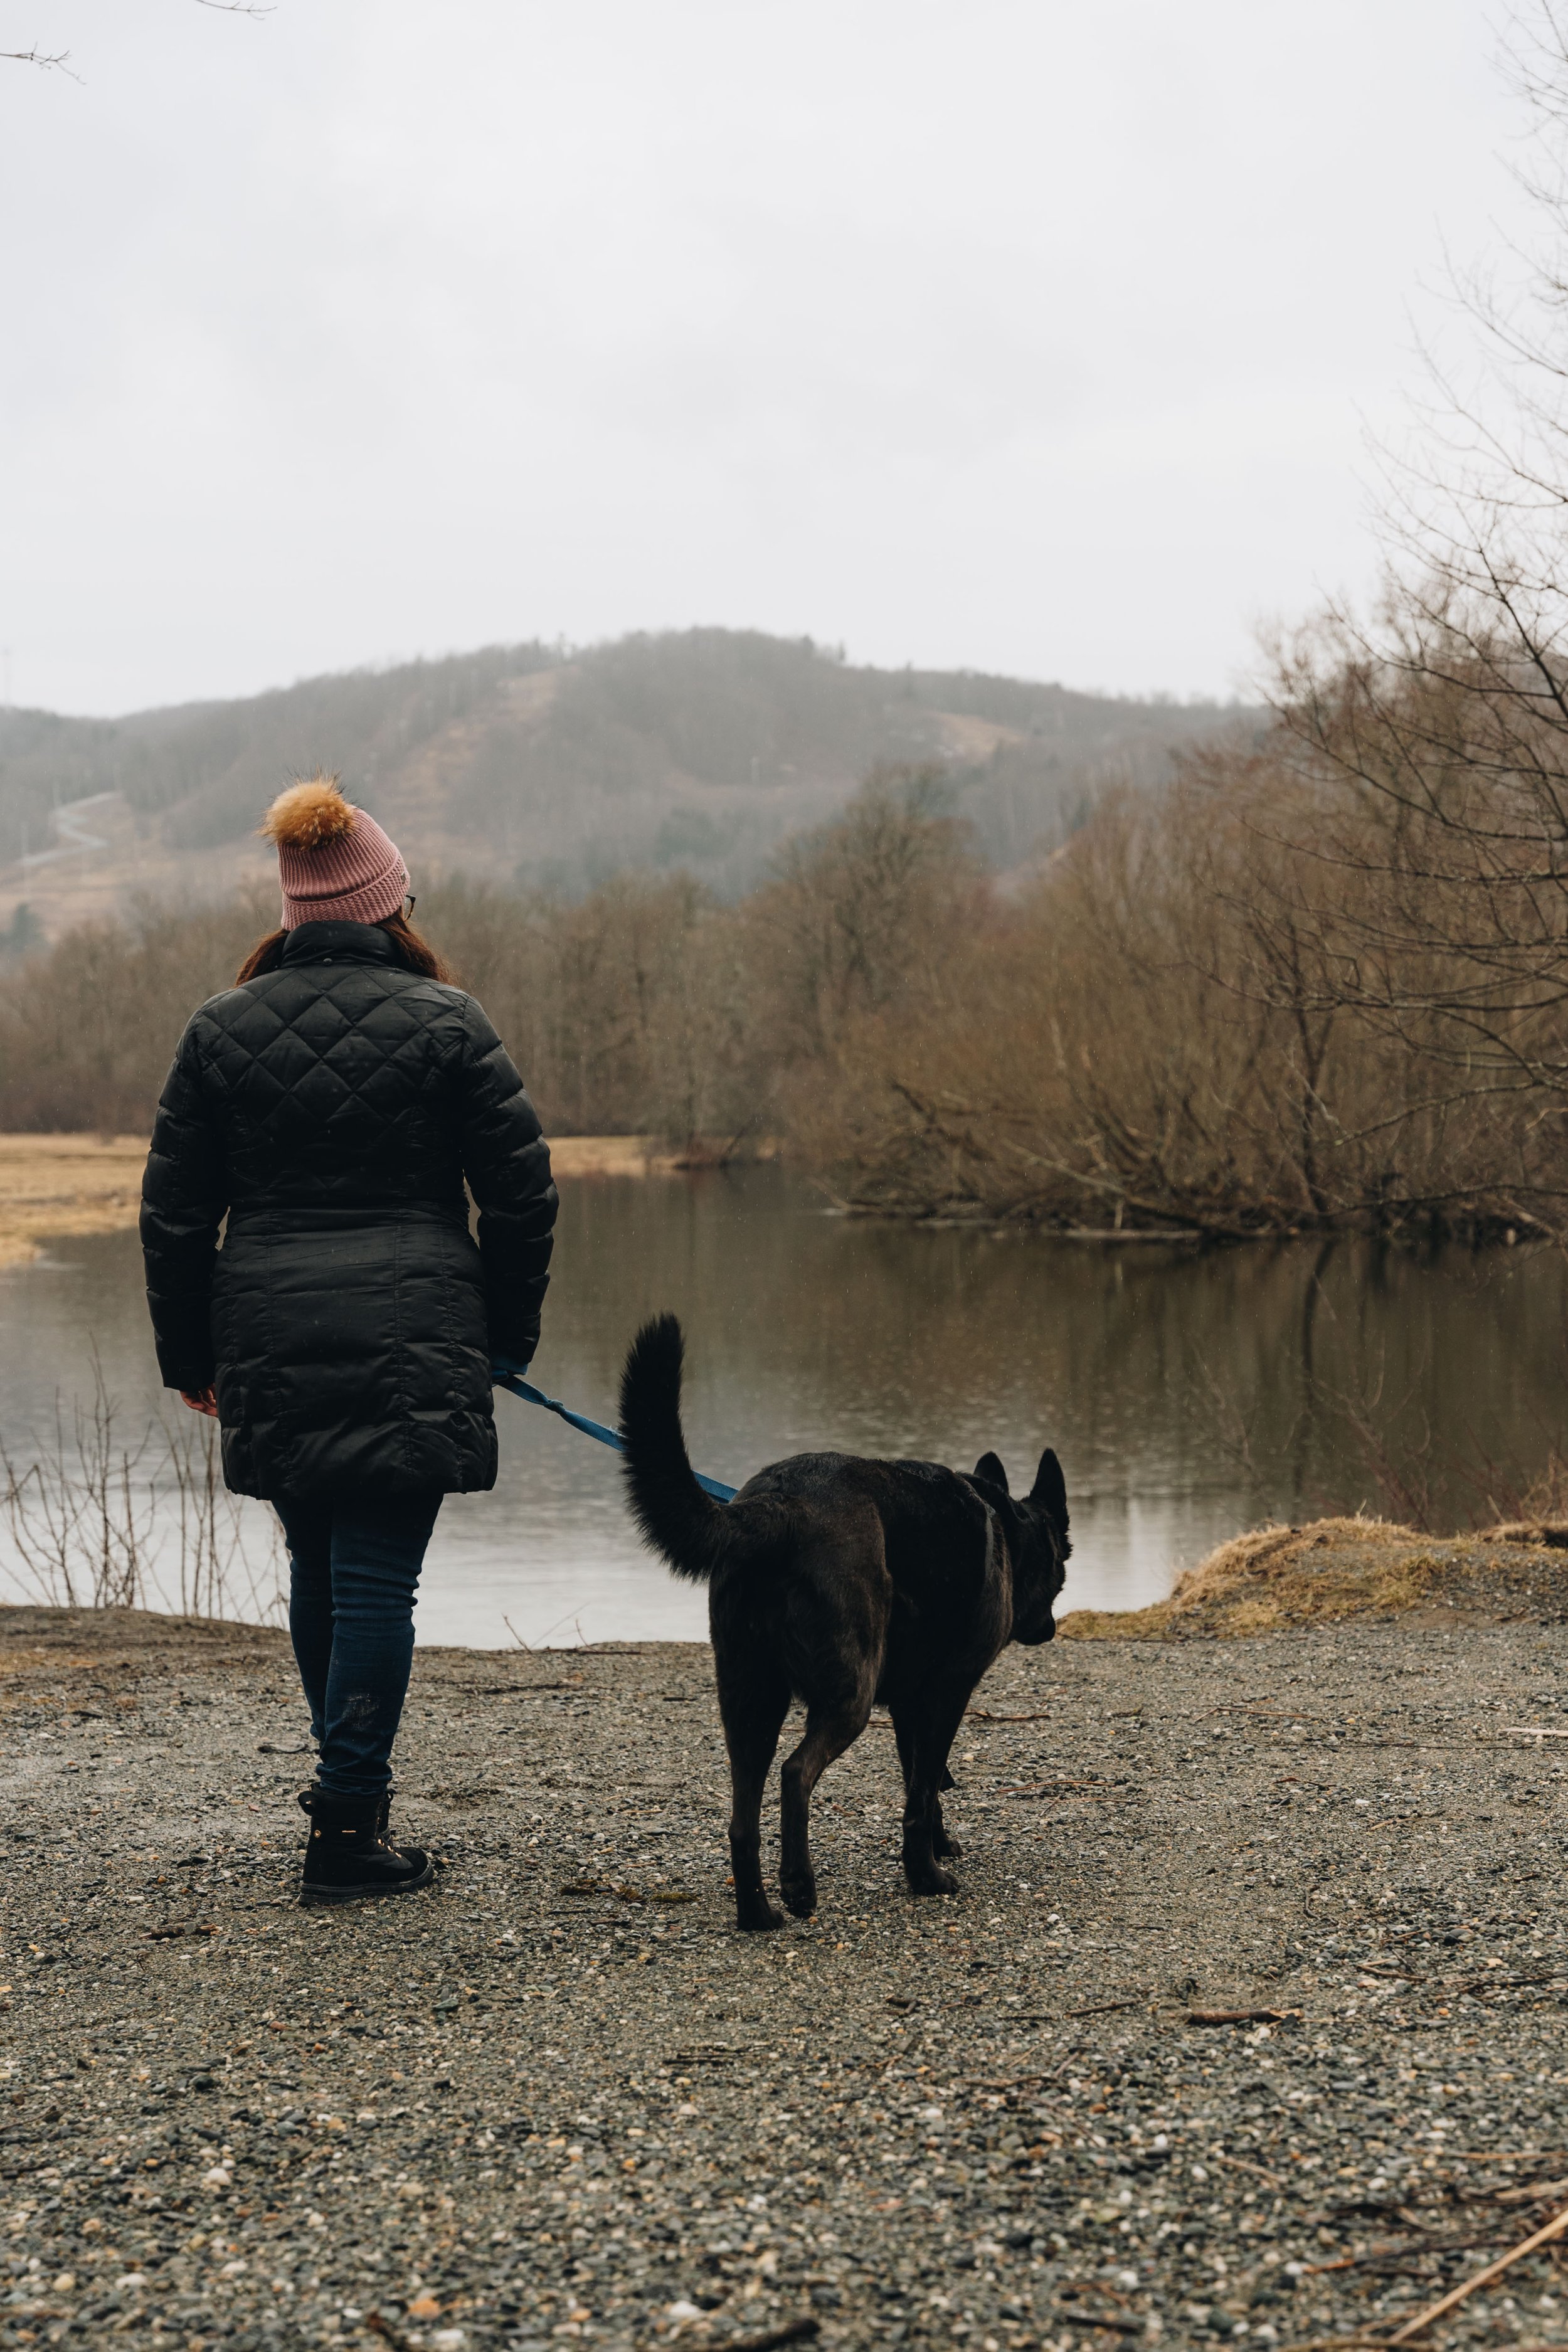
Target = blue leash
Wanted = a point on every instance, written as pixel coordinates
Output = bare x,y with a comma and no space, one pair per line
530,1396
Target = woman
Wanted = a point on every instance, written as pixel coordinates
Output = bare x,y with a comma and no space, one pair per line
331,1104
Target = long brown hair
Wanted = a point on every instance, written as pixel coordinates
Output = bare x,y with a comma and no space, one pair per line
414,952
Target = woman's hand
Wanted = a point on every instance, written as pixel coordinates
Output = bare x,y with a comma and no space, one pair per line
200,1400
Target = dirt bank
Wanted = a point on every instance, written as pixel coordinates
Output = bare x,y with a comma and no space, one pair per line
557,2098
1332,1571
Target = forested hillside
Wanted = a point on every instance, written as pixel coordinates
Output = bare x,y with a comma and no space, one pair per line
546,768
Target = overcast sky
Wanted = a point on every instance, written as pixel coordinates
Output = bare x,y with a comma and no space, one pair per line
1019,334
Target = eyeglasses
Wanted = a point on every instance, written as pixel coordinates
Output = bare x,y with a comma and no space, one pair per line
408,906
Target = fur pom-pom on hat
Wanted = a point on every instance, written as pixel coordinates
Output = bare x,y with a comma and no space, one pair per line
312,812
335,862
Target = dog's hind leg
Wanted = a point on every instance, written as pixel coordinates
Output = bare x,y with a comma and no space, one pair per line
753,1707
904,1737
944,1845
930,1719
828,1732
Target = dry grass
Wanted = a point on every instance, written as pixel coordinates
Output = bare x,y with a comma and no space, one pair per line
571,1156
606,1155
1278,1577
53,1185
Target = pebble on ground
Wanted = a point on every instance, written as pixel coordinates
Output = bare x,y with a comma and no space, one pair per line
558,2099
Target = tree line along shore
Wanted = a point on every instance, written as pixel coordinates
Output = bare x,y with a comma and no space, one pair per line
1301,989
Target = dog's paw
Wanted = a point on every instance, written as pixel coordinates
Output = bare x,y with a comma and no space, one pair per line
946,1848
933,1882
759,1920
800,1896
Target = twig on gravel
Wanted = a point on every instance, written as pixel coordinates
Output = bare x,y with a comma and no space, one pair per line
586,1887
501,1690
1118,2325
1102,2008
984,1714
1424,2319
1240,2164
1061,1788
1396,2250
795,2331
1338,2344
1236,2016
385,2330
1500,1984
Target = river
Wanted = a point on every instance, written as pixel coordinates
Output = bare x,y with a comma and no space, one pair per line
1188,1396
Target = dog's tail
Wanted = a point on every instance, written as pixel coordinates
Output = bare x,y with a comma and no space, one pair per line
676,1517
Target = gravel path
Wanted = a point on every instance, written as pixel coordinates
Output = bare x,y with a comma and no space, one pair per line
559,2097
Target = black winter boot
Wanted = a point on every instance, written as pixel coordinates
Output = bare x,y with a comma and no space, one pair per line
349,1857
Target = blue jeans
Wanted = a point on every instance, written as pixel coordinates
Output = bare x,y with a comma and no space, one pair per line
354,1565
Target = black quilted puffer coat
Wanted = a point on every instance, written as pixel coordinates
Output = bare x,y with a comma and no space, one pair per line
332,1109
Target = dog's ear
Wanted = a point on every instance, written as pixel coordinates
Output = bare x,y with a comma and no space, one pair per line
989,1468
1050,1491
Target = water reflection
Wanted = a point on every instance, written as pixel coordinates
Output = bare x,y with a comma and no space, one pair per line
1186,1396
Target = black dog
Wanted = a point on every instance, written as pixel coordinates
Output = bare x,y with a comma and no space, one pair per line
841,1581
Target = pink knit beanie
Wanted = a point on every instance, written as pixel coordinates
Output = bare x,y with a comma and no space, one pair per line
335,862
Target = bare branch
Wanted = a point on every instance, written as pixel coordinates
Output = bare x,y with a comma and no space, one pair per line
49,60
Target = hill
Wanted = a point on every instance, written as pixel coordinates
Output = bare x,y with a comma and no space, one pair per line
535,763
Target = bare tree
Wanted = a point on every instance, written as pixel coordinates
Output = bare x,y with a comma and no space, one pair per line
858,906
1431,743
